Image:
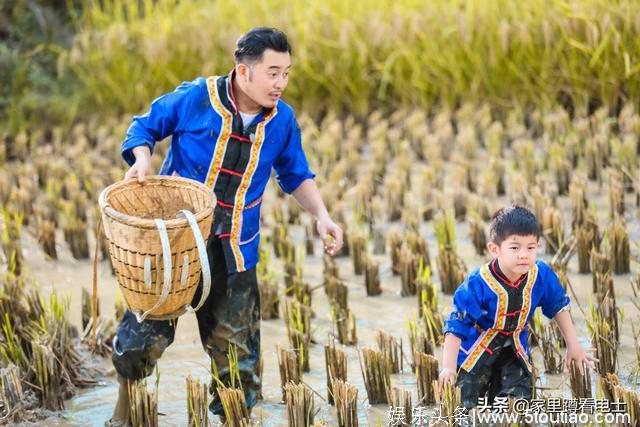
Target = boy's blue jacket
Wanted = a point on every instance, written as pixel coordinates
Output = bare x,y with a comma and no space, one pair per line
489,310
209,145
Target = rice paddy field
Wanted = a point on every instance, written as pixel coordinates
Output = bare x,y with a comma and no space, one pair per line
419,122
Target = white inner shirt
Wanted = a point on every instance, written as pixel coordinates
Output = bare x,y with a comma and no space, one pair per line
247,119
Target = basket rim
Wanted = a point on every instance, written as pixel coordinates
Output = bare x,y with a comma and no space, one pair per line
131,220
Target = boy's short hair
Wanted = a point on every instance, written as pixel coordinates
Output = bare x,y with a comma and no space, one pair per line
512,220
251,46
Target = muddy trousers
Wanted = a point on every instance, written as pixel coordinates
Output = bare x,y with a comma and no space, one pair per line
501,375
230,317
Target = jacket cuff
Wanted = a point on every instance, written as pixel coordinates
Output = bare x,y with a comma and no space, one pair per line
127,150
290,185
455,329
562,304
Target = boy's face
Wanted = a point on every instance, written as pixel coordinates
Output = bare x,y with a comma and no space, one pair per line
516,254
265,80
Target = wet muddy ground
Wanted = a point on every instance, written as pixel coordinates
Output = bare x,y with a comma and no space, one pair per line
388,311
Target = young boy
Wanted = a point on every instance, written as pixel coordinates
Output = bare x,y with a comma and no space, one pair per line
486,337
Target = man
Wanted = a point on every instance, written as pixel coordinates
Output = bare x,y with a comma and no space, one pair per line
227,132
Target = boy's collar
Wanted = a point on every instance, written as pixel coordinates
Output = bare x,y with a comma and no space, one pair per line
494,267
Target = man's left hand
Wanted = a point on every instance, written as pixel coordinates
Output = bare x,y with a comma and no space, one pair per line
331,235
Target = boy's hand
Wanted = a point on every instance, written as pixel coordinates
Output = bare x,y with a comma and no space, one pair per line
580,355
447,376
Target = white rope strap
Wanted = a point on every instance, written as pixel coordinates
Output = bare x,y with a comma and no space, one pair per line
204,260
166,256
185,270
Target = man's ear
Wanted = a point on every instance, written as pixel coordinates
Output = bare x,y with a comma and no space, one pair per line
242,71
493,249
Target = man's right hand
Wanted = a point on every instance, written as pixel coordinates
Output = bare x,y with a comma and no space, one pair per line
447,376
142,167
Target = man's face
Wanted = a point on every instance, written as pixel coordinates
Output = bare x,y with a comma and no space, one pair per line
516,254
264,81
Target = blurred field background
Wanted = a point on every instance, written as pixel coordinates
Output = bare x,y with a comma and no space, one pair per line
420,120
64,59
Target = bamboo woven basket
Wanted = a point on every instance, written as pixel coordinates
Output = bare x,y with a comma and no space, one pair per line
155,233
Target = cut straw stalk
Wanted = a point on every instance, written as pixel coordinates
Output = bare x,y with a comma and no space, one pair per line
234,406
282,244
74,227
372,278
419,341
297,318
10,239
632,399
579,204
552,229
418,246
451,268
395,243
87,308
613,391
338,293
293,209
48,376
330,269
448,397
346,398
300,405
426,290
587,238
269,300
460,202
601,271
358,240
408,271
377,375
553,360
402,399
379,243
395,189
309,238
345,326
616,193
290,368
143,409
619,244
604,340
336,368
11,391
580,382
46,234
426,373
392,350
197,407
230,392
478,237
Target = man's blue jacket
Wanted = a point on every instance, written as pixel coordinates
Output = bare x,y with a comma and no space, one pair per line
209,145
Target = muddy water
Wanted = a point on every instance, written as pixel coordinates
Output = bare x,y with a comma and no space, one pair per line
388,311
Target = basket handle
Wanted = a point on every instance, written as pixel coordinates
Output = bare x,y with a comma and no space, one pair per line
204,261
166,257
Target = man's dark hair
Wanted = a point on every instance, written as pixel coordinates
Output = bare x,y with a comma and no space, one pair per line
512,220
251,46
